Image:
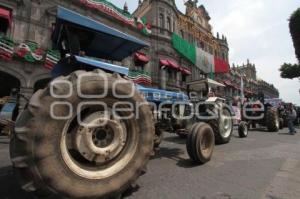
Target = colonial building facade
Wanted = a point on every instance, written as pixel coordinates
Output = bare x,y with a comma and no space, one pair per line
182,45
252,86
173,31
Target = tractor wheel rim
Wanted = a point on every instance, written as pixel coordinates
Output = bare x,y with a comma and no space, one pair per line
100,139
246,130
206,144
226,124
277,123
103,146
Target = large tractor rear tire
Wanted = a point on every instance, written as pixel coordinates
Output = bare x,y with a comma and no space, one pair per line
200,143
222,127
272,120
63,158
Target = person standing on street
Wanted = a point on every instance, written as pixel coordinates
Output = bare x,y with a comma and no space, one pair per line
291,119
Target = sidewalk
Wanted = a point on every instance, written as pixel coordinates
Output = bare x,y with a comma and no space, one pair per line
286,184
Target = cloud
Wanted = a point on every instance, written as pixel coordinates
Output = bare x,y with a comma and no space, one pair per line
258,30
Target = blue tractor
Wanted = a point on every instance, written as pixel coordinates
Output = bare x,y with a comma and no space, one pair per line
91,131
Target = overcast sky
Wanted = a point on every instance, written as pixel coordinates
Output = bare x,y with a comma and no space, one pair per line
256,29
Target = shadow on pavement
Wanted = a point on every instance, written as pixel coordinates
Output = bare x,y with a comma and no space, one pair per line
131,190
175,139
260,130
9,187
174,154
285,134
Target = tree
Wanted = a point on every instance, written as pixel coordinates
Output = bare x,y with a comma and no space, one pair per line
295,31
291,71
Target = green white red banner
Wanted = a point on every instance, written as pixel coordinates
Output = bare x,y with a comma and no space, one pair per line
110,9
52,58
6,48
30,51
140,77
205,61
143,26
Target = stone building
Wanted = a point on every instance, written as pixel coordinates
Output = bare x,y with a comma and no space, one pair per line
182,48
27,54
248,69
257,85
252,85
25,41
194,27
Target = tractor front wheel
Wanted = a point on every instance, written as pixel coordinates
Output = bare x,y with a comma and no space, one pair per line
95,151
223,126
243,129
200,143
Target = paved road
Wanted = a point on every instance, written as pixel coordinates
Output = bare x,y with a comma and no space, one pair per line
264,165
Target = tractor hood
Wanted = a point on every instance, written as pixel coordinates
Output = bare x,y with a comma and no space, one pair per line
92,37
162,96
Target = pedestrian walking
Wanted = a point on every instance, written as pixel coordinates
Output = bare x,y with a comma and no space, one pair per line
298,116
291,119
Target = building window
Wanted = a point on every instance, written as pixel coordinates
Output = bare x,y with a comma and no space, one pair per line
5,19
183,78
202,45
191,39
161,22
169,24
210,49
182,34
223,56
174,26
172,75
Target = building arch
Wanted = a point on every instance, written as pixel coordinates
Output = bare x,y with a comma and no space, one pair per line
15,73
10,81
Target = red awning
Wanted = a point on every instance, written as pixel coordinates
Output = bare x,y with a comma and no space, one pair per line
163,62
185,71
169,63
141,57
6,14
173,65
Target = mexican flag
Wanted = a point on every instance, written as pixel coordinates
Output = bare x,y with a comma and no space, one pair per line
143,26
205,61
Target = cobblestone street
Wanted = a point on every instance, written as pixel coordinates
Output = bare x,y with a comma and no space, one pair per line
264,165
